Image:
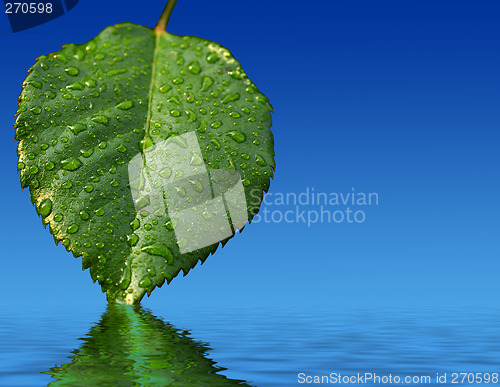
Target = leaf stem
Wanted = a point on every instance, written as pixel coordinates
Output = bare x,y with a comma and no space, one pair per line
165,16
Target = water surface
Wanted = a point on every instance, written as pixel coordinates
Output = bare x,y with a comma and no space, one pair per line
237,346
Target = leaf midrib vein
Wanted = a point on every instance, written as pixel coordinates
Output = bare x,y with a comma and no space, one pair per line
151,88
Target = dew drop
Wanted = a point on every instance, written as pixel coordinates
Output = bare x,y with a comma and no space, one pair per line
236,74
134,225
91,46
178,80
61,58
121,148
110,73
236,135
35,84
259,160
203,127
72,229
206,82
165,173
100,119
164,88
125,105
45,208
91,83
231,97
79,54
73,71
196,159
216,124
145,282
88,188
216,143
198,187
159,250
126,279
194,67
75,86
77,128
251,90
191,115
87,153
36,109
133,239
151,271
212,57
71,164
84,215
49,94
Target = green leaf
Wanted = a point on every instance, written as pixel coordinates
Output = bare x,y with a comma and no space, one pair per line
131,347
109,128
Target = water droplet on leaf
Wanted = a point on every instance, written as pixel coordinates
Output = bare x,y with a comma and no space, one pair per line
159,250
259,160
231,97
72,229
237,136
125,105
145,282
212,57
71,164
45,208
194,67
73,71
206,82
100,120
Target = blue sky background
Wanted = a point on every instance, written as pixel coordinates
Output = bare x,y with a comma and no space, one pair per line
400,98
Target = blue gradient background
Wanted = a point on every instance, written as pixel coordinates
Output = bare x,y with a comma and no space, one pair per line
396,97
